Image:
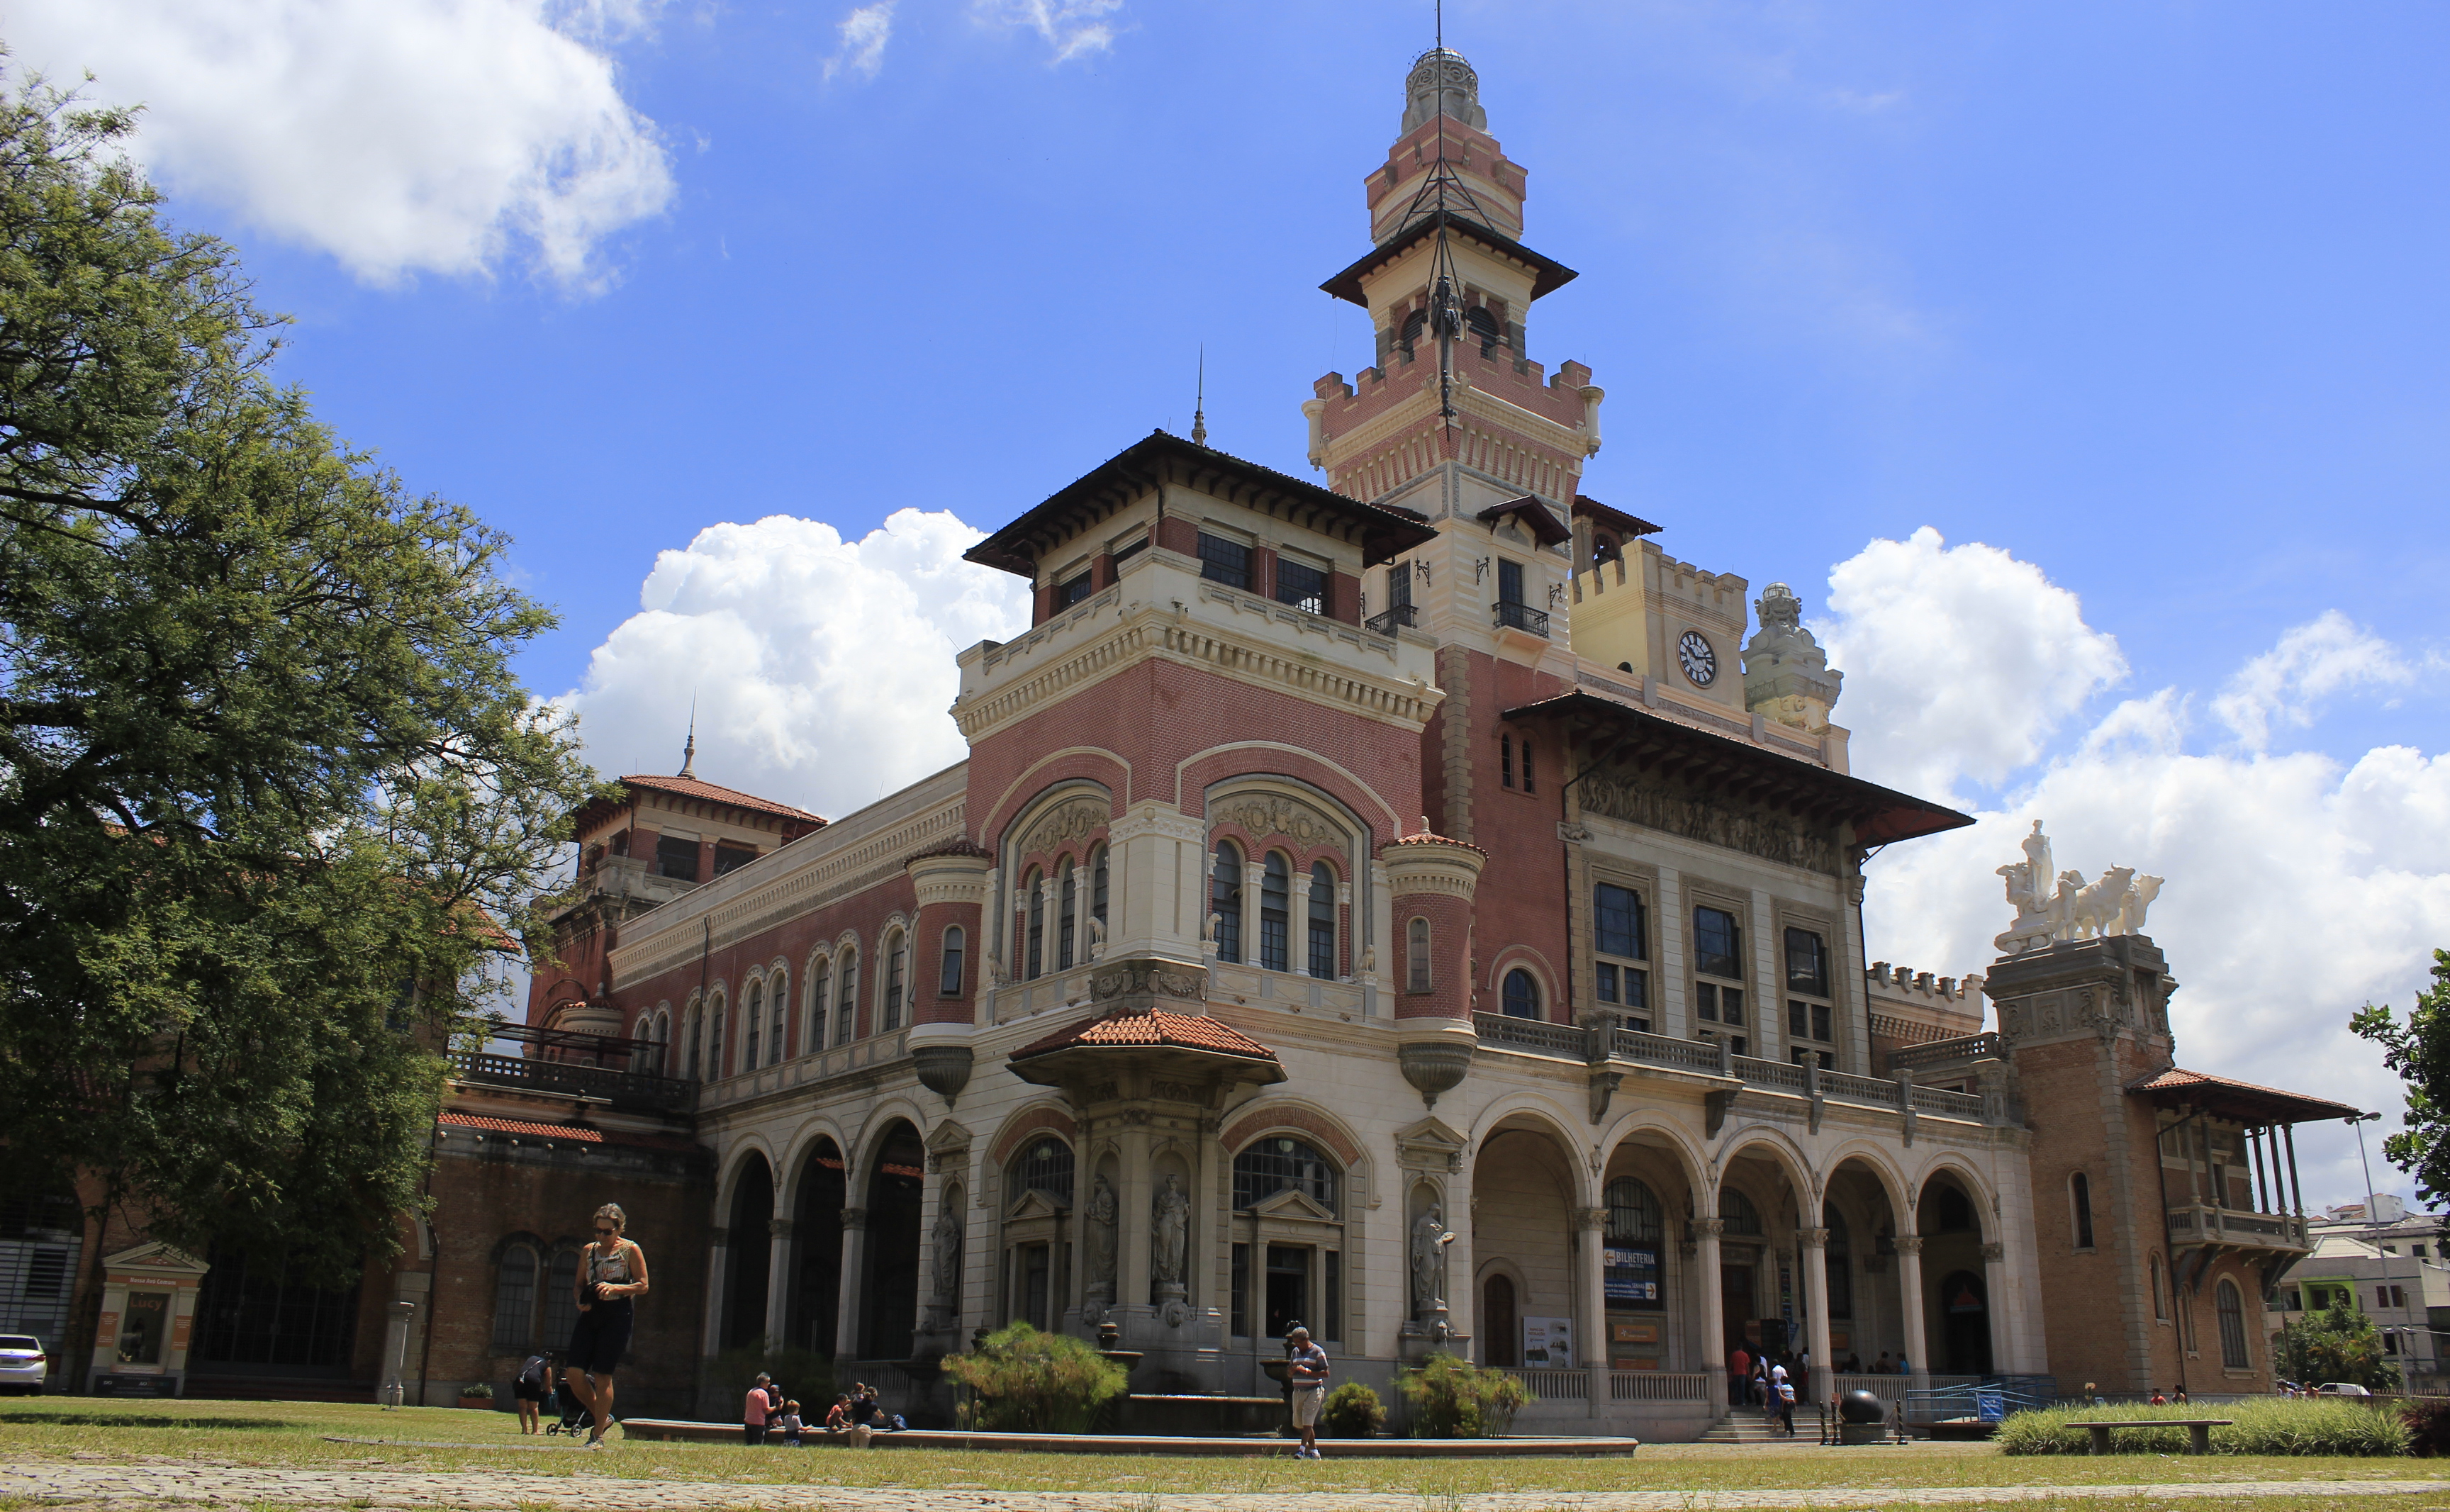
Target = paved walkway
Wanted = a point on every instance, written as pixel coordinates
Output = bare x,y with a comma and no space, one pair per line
225,1484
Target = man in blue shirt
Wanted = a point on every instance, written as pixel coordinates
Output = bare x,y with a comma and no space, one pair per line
1309,1381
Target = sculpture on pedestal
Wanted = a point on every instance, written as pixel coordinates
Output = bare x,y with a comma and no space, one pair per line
948,1262
1430,1238
2055,906
1100,1237
1169,1231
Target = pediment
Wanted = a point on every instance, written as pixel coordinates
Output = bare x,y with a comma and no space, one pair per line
1292,1203
1034,1204
1430,1141
949,1136
156,1257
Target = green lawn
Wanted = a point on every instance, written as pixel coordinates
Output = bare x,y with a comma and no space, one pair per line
300,1434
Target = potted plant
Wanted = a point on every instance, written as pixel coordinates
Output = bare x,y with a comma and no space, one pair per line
476,1394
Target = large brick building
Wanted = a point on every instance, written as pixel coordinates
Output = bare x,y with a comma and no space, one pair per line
1411,904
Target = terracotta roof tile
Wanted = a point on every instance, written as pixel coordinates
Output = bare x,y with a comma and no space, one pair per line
1126,1028
2260,1099
709,792
520,1126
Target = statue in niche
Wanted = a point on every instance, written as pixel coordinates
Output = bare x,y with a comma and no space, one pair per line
948,1256
1169,1230
1097,936
1102,1212
1430,1238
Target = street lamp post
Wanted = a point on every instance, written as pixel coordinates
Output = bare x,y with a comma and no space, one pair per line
2373,1219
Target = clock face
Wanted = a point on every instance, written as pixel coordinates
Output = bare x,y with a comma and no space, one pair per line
1700,663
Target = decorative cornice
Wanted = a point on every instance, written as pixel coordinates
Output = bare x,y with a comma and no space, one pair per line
1431,864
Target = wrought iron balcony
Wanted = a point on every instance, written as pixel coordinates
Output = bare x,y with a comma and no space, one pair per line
1503,615
1946,1052
1402,615
623,1088
2203,1222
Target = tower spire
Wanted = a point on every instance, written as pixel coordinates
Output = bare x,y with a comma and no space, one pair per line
689,752
1198,405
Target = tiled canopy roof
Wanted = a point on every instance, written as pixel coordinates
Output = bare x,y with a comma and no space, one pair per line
2227,1097
709,792
521,1127
1127,1028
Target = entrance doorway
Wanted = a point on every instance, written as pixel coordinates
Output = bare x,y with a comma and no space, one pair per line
1736,1304
1965,1324
1501,1340
1288,1287
1033,1283
893,1197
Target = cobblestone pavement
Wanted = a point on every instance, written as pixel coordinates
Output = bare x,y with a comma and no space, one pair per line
210,1485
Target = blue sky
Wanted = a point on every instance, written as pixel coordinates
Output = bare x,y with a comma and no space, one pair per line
2147,297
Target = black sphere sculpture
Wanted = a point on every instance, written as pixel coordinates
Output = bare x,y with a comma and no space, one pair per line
1861,1406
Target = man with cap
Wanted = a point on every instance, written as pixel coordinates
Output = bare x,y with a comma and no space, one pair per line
1309,1380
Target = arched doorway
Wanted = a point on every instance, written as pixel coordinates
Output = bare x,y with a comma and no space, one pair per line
816,1231
751,1255
1503,1344
1965,1324
894,1187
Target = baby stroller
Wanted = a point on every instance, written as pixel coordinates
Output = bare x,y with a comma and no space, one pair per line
576,1419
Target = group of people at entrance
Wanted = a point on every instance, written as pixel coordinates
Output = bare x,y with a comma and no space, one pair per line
1773,1384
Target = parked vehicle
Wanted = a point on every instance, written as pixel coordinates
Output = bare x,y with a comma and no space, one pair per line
2342,1388
23,1363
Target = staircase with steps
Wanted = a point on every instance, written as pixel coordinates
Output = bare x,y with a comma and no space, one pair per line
1751,1425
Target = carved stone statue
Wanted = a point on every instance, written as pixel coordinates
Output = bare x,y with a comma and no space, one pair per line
948,1258
1100,1236
2139,898
1170,1236
1097,936
1430,1238
2063,906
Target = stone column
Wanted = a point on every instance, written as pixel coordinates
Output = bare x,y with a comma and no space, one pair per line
718,1257
1136,1232
1297,924
1255,879
392,1392
1050,924
1910,1302
1995,1290
1816,1307
778,1279
1713,1305
1463,1269
1590,1228
854,1257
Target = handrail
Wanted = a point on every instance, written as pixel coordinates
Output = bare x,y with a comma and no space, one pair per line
1939,1052
1387,623
1534,1034
570,1076
1503,615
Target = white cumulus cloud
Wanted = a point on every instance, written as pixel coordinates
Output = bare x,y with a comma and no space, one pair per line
821,668
2299,885
864,33
399,136
1960,661
1071,28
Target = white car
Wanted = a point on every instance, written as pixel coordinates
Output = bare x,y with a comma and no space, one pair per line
2342,1388
23,1363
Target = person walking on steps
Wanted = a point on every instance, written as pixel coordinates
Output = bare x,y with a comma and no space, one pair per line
1786,1406
612,1272
1309,1374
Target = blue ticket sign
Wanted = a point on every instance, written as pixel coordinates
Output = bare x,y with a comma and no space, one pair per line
1631,1276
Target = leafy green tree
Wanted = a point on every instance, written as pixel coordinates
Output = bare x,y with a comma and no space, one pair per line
2336,1343
270,798
2419,1051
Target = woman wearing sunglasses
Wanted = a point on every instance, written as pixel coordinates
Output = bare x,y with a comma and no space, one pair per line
610,1271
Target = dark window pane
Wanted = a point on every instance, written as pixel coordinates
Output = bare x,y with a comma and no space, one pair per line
1322,922
1522,995
1277,1162
1066,919
1510,582
1399,585
1819,1023
1302,586
948,983
1798,1018
1607,983
731,857
1730,1006
1617,912
1717,944
1242,1290
1225,901
1275,918
1706,1001
1807,963
1332,1283
1035,949
1224,561
1636,988
1046,1167
1072,591
676,858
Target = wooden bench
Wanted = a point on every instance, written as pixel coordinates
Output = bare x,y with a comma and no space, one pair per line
2199,1431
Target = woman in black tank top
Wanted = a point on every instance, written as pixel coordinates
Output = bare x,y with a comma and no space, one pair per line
612,1271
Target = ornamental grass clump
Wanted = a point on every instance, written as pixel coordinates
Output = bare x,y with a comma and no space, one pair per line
1028,1382
1455,1399
1352,1411
2265,1425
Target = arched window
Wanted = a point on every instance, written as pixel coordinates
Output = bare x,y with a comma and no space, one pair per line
821,979
1045,1166
949,976
847,1000
561,1299
2160,1293
1322,922
1276,1162
1633,1213
1416,956
1225,901
896,948
1522,995
514,1298
1067,918
1838,1264
1483,325
2232,1325
775,1038
696,1063
1035,951
1276,917
1604,549
1736,1212
1956,1211
1413,325
2080,1196
752,1004
718,1052
1098,887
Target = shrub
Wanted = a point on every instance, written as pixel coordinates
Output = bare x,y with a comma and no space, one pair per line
1352,1411
2266,1426
1029,1381
477,1389
2336,1344
1455,1399
2428,1424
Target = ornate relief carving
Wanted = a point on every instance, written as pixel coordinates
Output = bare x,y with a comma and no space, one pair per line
1265,814
1075,818
1620,795
1132,977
